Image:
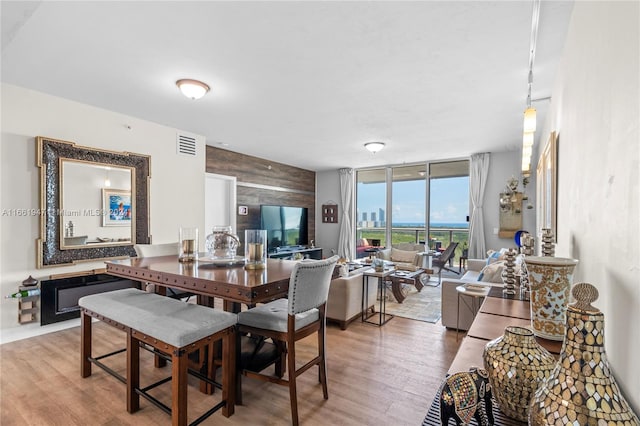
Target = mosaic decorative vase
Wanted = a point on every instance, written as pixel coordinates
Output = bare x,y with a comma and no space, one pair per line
517,365
525,289
581,389
550,281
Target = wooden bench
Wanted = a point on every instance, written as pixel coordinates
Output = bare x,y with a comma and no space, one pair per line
171,327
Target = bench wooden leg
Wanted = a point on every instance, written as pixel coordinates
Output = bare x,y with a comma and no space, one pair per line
179,364
229,376
133,373
85,344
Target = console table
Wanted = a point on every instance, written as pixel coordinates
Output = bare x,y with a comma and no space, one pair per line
494,316
308,253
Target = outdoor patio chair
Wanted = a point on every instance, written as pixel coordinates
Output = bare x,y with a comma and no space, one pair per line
442,261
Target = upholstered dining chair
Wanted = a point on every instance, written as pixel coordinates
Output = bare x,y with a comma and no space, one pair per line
286,321
441,261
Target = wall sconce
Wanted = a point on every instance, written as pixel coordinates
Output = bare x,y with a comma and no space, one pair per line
192,89
374,146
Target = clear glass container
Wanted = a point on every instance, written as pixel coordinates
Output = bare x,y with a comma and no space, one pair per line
255,248
188,238
222,243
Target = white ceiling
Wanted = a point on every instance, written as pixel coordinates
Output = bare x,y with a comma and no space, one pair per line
302,83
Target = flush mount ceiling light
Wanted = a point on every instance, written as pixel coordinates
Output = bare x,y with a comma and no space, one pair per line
192,89
374,146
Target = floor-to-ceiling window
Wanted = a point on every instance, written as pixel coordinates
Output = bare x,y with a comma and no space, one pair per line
393,204
449,204
408,203
371,206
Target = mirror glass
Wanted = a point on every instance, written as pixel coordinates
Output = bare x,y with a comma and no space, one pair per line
96,205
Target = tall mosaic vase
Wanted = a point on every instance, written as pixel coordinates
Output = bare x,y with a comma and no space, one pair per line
550,280
517,365
581,389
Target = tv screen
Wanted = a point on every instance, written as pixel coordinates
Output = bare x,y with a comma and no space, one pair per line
286,226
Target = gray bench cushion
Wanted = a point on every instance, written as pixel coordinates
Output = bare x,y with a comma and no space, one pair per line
273,316
172,321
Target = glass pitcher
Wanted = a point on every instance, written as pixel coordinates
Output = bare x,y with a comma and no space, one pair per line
222,243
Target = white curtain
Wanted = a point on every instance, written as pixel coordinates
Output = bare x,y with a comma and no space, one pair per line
477,182
346,241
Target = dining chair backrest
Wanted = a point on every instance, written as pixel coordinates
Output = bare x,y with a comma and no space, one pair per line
150,250
309,284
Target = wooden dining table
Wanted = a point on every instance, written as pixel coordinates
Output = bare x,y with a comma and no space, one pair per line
234,284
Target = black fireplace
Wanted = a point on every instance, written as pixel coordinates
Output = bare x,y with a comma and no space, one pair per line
59,297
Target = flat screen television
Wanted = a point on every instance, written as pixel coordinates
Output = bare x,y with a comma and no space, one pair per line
286,226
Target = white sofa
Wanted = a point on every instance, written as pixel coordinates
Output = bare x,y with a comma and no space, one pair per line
450,295
344,303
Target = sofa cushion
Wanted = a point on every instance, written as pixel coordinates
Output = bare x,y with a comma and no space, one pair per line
471,275
403,255
492,273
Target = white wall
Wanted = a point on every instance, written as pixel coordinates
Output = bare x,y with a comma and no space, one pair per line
327,189
176,188
595,110
502,166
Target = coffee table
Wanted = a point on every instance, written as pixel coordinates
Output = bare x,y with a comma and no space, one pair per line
399,277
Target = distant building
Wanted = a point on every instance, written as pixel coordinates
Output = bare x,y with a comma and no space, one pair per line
373,216
381,215
364,216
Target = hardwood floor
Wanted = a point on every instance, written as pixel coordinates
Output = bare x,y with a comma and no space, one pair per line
377,376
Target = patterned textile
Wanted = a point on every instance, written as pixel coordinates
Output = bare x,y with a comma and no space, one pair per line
433,416
465,393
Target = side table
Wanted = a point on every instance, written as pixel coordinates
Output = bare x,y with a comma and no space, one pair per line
383,316
473,293
462,263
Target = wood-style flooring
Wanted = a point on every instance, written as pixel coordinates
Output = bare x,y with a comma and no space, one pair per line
377,376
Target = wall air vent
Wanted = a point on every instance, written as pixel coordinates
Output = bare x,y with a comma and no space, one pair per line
186,144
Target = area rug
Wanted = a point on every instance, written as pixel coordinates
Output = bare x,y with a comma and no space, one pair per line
421,306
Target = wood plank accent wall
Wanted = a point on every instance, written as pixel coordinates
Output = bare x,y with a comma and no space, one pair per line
260,181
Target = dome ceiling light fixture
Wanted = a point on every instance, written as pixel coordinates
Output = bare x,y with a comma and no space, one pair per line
192,89
374,146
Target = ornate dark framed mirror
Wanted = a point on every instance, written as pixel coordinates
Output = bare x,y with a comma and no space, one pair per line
94,203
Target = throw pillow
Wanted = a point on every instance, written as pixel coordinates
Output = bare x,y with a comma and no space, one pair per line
402,256
362,242
494,256
492,273
406,266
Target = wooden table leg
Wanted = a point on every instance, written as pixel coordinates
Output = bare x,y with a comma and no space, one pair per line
396,289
